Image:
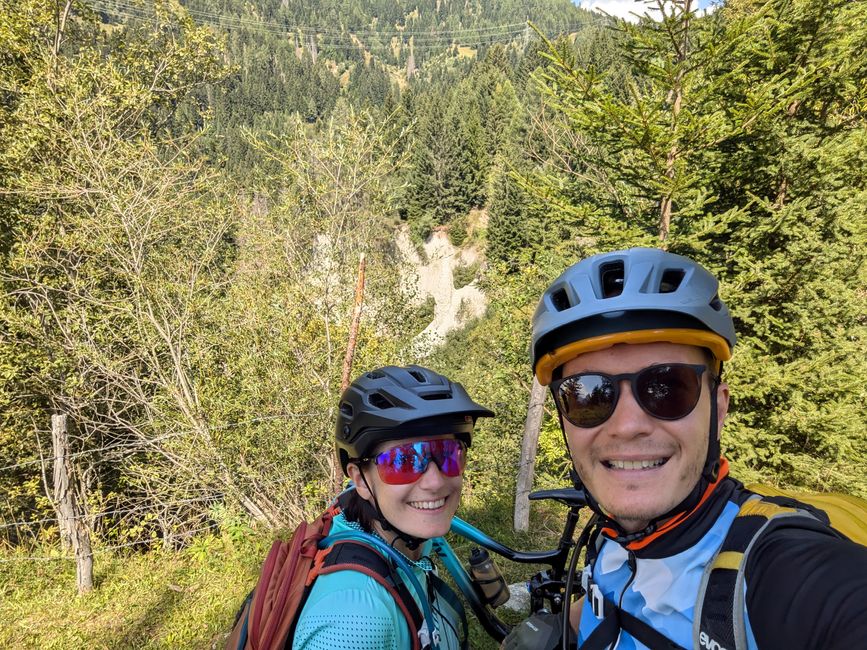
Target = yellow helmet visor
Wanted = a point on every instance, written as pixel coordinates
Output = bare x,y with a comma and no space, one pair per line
546,365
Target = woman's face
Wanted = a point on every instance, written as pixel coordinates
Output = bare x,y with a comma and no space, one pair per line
423,508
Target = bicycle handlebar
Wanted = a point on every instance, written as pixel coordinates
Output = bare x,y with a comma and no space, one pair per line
567,496
473,534
546,585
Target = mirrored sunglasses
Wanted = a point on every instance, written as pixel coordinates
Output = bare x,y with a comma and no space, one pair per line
404,464
667,392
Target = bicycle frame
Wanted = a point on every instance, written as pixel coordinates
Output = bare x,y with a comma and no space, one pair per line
545,586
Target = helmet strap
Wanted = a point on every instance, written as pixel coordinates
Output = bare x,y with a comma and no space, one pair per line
412,542
712,464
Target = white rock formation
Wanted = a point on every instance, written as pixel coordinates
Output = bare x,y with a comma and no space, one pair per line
435,277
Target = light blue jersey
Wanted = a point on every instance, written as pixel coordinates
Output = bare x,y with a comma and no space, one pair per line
662,592
350,610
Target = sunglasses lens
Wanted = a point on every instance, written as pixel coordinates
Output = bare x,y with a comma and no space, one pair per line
405,464
450,456
668,392
586,400
401,465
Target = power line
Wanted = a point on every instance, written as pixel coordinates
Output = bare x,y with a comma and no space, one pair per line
344,40
421,39
159,505
99,515
105,5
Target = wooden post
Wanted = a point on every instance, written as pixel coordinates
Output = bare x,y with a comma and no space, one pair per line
70,517
62,487
526,468
336,472
353,327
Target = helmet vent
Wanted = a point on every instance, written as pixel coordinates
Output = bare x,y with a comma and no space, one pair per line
380,401
716,303
420,378
671,280
612,279
560,300
346,410
375,374
435,396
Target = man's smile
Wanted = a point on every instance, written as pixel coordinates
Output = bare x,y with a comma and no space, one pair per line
648,463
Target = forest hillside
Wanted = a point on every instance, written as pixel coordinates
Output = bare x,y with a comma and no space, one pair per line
188,190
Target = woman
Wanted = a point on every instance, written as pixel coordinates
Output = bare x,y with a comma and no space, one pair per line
402,435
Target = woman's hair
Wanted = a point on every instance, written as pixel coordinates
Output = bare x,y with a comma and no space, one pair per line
359,510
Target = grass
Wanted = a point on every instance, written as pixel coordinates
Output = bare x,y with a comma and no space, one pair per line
184,599
187,599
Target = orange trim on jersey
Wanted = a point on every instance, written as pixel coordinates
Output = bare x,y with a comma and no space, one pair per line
675,521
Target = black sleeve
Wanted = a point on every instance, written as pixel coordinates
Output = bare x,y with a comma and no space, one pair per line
807,589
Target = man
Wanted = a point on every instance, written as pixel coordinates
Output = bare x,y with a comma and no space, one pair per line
632,344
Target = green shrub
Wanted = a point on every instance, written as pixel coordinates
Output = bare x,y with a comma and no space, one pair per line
458,230
463,275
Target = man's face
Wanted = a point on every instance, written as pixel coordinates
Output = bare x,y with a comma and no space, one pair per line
677,449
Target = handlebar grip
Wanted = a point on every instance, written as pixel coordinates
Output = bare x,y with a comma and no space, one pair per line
568,496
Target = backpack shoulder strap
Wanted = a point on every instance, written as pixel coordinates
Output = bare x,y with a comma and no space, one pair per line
719,611
352,555
447,594
269,611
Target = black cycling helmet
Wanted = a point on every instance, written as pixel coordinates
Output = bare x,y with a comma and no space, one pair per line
640,295
393,403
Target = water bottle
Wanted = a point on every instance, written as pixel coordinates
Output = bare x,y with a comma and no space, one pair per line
488,577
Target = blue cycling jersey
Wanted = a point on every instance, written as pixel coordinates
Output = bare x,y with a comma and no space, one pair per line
803,586
348,609
661,591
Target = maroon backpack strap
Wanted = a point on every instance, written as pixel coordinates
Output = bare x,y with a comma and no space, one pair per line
353,555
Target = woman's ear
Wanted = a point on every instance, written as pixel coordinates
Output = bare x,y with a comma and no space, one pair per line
358,480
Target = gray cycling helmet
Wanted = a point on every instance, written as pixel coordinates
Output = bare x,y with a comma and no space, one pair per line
393,403
639,295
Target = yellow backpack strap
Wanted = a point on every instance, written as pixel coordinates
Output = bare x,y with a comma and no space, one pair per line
719,621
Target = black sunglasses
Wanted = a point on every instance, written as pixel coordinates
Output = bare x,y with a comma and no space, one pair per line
667,391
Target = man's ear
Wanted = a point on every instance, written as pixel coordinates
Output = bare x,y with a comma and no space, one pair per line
722,405
357,479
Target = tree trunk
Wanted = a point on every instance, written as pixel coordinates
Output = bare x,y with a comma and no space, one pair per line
675,96
62,488
532,425
410,61
336,470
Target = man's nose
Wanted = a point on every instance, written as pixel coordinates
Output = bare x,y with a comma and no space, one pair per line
628,418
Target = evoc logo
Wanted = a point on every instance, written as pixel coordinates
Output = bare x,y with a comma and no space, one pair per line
707,642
